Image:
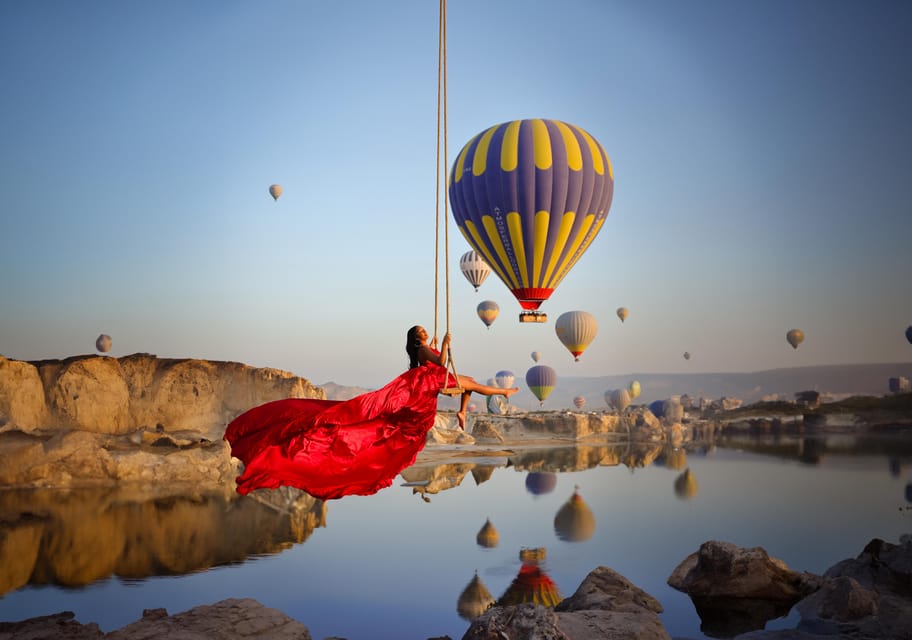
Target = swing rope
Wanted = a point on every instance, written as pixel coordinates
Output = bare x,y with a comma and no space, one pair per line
442,108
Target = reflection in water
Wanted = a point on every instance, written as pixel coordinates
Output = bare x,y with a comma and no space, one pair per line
574,521
474,600
532,584
487,536
482,473
674,458
812,450
426,479
685,485
581,457
540,482
729,617
75,537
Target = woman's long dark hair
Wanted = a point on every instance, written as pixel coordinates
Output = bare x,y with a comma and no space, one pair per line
411,346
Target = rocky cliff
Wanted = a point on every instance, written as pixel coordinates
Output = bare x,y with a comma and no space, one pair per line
119,395
139,417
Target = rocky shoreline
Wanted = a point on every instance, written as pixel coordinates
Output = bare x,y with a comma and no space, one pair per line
735,590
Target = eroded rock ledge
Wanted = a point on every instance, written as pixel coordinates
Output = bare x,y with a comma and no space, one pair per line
90,419
141,391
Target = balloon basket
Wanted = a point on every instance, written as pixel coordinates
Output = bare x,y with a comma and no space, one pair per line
533,316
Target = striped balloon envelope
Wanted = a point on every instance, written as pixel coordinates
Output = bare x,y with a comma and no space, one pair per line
576,330
474,268
541,380
487,310
530,196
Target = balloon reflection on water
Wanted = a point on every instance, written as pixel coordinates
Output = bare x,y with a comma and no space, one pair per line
574,521
474,600
487,536
685,485
540,482
531,584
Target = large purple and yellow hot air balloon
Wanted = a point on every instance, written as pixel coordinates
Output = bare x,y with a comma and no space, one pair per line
530,196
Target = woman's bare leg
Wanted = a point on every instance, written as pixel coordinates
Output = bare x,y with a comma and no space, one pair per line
470,384
463,403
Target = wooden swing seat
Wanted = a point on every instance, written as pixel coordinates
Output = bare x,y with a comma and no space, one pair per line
452,391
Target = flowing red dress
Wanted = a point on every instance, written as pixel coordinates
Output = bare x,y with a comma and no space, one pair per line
333,448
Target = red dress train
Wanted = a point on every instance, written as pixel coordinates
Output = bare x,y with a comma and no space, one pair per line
332,448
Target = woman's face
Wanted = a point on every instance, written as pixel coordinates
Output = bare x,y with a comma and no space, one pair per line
421,334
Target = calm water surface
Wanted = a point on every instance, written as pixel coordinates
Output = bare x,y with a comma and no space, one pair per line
393,565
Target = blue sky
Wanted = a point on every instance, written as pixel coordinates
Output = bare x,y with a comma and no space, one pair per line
761,152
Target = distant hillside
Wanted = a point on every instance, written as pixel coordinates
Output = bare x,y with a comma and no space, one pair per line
339,392
835,380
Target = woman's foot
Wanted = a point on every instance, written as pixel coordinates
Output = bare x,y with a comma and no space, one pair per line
460,418
510,392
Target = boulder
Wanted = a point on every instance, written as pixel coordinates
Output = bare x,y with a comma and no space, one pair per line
22,403
605,605
867,596
230,619
722,569
736,589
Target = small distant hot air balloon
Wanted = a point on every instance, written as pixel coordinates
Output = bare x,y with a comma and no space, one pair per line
795,337
487,311
685,485
634,389
474,268
530,196
536,356
909,333
623,312
541,380
498,405
657,407
474,600
618,398
687,355
487,536
576,329
579,402
574,521
473,407
275,191
540,482
504,378
103,343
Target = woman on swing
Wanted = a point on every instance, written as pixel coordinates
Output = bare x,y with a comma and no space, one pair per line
421,353
335,448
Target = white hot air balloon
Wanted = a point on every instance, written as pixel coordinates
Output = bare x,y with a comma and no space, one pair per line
275,191
474,268
618,398
576,329
504,379
103,343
